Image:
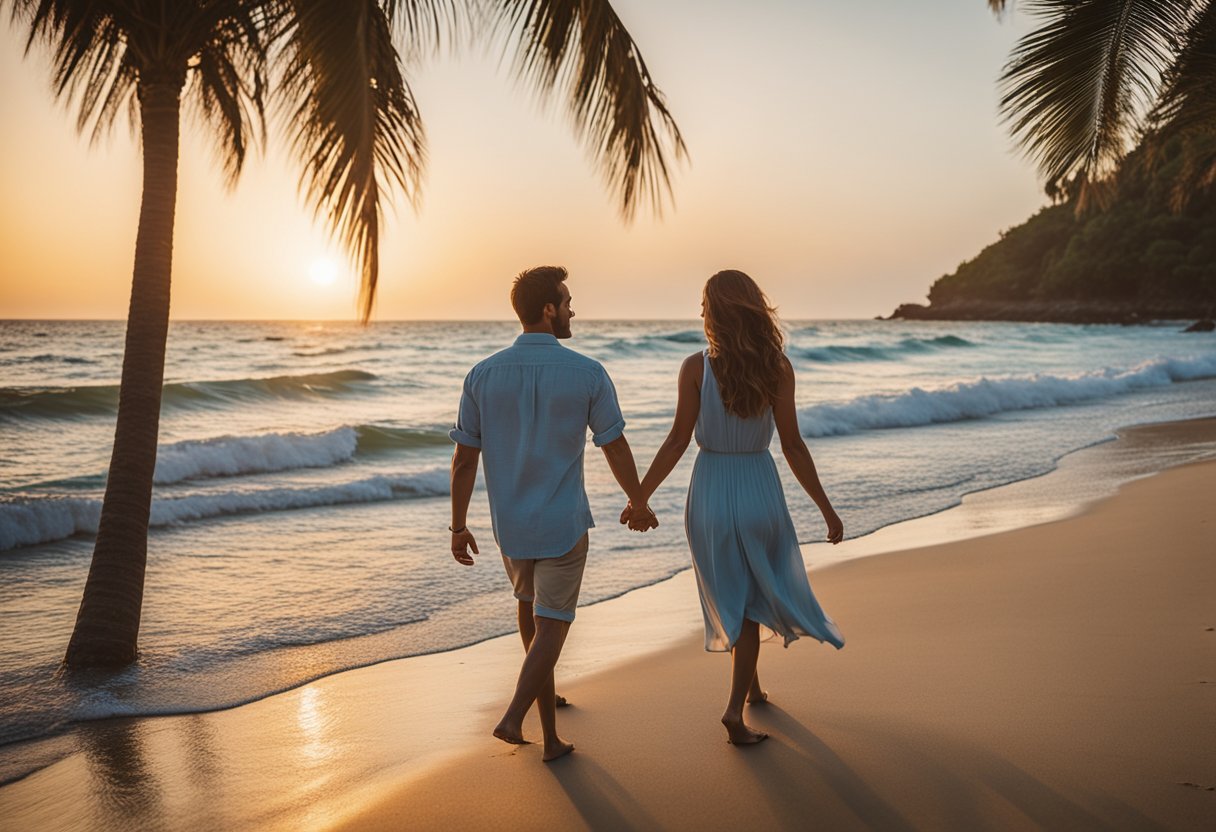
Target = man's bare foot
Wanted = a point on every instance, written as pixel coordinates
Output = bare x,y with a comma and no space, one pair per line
739,734
506,733
556,749
560,701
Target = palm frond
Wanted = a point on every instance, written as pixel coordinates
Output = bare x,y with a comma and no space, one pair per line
423,26
1076,90
102,51
1198,170
228,83
1188,95
356,126
582,47
1186,109
91,66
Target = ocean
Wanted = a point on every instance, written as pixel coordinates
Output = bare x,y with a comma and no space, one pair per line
300,512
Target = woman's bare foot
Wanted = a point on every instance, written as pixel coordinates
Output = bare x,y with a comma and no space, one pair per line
553,750
510,733
739,734
560,701
756,696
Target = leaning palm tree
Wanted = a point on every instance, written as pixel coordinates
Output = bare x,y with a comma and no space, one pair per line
335,70
1097,76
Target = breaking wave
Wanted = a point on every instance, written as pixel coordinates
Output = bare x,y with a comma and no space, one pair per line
880,352
227,456
68,402
988,397
26,521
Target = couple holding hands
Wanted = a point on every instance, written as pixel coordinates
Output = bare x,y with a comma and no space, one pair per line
526,410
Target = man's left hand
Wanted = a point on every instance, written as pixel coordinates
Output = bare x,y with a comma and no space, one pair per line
462,542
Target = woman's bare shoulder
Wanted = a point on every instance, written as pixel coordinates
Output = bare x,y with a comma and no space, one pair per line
785,382
693,367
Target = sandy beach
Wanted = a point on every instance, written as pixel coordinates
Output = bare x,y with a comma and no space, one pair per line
1058,676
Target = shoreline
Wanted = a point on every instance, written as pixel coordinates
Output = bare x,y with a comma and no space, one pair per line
1065,490
472,678
1050,495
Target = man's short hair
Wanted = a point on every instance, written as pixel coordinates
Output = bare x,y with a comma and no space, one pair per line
533,289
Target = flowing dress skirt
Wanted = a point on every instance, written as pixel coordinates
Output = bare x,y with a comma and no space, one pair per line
745,552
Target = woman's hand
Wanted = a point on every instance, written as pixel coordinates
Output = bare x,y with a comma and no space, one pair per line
835,526
639,520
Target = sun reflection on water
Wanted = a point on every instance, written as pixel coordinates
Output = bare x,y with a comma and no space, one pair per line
312,721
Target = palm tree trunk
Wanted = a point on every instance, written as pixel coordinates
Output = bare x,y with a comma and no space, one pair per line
107,625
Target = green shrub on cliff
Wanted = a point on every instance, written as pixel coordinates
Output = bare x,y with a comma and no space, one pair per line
1136,251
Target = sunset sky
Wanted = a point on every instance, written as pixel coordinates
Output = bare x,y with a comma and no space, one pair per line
844,153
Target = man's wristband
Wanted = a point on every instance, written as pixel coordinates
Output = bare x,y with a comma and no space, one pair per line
458,531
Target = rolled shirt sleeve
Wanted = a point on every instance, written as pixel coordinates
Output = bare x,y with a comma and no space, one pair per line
467,430
605,418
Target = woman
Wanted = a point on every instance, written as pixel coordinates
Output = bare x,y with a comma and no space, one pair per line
744,549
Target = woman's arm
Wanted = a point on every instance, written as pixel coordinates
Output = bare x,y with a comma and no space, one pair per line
797,454
688,405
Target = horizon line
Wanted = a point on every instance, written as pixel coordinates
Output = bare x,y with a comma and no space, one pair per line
385,321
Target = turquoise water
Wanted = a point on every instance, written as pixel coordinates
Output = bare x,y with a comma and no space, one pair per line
301,499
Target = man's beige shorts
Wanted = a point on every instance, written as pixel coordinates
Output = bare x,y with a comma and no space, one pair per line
551,584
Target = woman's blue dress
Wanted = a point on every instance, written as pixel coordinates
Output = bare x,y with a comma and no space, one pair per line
744,549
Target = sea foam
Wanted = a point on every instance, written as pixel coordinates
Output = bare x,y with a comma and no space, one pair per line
26,521
235,456
227,456
990,396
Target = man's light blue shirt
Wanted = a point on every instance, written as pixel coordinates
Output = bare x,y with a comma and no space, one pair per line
528,409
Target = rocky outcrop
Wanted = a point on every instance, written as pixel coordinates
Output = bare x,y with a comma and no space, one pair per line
1070,312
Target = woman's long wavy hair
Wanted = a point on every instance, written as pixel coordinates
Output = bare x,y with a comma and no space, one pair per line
746,345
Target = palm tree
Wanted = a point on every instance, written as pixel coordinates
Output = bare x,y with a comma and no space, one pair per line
336,73
1099,76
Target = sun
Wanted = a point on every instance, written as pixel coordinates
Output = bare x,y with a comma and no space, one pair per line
324,272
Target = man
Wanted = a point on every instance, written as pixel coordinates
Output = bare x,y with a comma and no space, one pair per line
526,410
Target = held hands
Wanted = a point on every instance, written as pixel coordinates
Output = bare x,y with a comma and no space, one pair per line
835,527
462,541
639,519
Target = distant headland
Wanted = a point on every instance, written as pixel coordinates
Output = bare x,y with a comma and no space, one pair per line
1147,255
